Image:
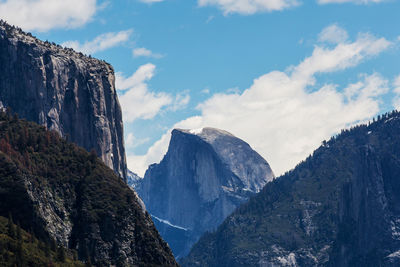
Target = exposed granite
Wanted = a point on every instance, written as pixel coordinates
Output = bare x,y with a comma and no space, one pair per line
203,177
63,90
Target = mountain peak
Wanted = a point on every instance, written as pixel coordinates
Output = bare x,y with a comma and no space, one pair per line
213,171
237,154
205,131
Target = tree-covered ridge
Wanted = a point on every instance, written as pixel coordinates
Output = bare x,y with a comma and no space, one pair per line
20,248
339,207
63,192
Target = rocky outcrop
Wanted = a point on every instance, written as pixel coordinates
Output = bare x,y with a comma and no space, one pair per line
340,207
64,91
203,177
61,192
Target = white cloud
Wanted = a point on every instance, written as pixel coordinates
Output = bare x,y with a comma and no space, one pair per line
144,52
181,101
343,56
138,102
43,15
205,91
131,141
333,34
100,43
150,1
283,115
210,18
359,2
143,74
248,7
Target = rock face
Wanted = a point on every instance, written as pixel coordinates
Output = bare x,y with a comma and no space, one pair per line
340,207
133,180
203,177
63,193
64,91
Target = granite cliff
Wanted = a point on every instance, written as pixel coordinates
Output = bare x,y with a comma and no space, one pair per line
64,91
203,177
339,207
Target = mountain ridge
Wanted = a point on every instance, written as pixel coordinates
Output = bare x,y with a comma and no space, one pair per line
339,207
66,194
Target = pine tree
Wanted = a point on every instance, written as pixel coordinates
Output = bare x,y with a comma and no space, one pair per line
11,227
19,234
47,249
31,237
61,254
19,255
87,256
1,249
53,245
93,156
75,255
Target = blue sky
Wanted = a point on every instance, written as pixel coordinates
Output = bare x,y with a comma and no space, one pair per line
283,75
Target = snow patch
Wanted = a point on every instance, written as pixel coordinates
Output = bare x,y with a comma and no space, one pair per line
386,121
227,189
394,255
196,131
395,227
289,260
169,224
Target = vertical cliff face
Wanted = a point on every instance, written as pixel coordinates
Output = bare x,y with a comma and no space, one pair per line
203,177
64,91
340,207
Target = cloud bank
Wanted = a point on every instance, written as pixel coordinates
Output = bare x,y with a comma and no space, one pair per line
139,102
358,2
44,15
100,43
144,52
248,7
150,1
283,115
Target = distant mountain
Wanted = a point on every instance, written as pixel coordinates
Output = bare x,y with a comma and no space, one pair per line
63,90
340,207
66,194
132,179
203,177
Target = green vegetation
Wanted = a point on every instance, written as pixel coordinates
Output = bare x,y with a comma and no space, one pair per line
20,248
45,181
328,211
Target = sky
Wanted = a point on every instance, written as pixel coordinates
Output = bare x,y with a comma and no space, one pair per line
283,75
